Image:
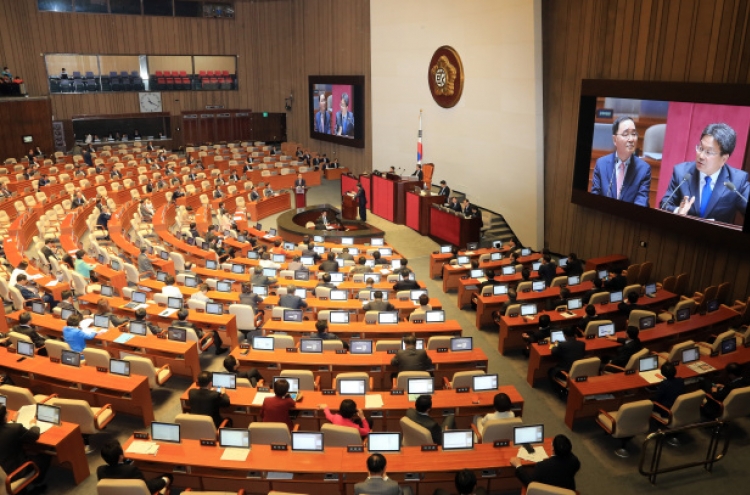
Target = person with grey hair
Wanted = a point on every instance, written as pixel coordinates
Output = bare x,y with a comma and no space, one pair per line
709,187
323,116
344,118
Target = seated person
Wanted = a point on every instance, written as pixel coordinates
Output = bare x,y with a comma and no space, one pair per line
377,482
424,304
466,484
103,309
117,468
631,305
329,265
182,322
290,300
411,358
248,297
420,414
502,405
13,438
202,294
259,279
360,267
542,333
598,287
379,260
512,299
232,366
630,345
558,470
169,289
562,300
28,292
378,304
140,315
615,280
566,352
145,268
67,302
574,266
346,416
407,283
668,389
325,281
735,379
206,401
276,408
24,328
74,335
591,315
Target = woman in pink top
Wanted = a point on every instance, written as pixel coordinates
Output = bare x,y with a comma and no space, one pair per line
346,416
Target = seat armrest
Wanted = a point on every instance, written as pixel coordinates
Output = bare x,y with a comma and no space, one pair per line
317,382
705,345
394,383
17,472
105,407
711,398
613,368
52,396
476,432
223,424
660,418
446,383
611,418
296,428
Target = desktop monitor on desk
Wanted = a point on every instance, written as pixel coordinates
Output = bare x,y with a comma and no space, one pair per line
70,358
338,295
301,293
528,309
238,438
535,266
278,258
420,386
48,414
224,286
174,302
388,318
191,282
385,251
463,260
337,277
138,327
651,289
376,241
384,442
446,249
311,345
476,273
690,354
238,269
483,383
527,435
260,290
177,334
214,309
526,252
458,440
162,276
138,297
434,316
461,344
3,400
211,264
224,380
576,303
606,330
574,280
358,346
289,246
65,314
165,432
269,272
119,367
319,249
107,291
472,246
683,314
263,343
338,317
419,344
303,275
101,321
351,386
500,289
25,348
647,322
728,345
509,270
496,256
307,260
415,294
39,307
556,336
395,264
538,285
347,241
615,297
293,384
648,363
307,441
712,305
164,255
252,255
318,238
115,265
294,315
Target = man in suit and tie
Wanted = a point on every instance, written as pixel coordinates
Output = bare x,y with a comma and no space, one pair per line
205,401
466,207
117,468
444,190
362,202
630,345
344,118
300,182
709,187
418,172
622,175
378,304
567,352
377,483
323,117
558,470
254,196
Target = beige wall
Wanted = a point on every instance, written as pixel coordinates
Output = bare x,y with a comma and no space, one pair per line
490,145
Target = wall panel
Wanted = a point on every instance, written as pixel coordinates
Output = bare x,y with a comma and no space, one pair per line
689,40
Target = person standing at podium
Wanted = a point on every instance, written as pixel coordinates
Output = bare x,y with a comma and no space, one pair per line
362,202
444,190
299,191
418,172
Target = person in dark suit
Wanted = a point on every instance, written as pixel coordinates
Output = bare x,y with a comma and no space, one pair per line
377,483
444,190
542,333
622,175
183,323
547,270
668,389
87,158
420,414
411,358
323,116
561,300
466,484
116,468
512,299
630,345
361,202
254,196
574,266
559,470
233,366
418,174
719,392
344,118
289,300
329,265
405,282
567,352
615,280
377,304
300,182
205,401
598,287
28,330
590,316
632,304
709,187
466,207
12,454
454,205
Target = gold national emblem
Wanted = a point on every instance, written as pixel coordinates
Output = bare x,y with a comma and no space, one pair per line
444,74
445,77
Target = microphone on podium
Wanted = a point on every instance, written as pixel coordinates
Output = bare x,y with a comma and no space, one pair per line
686,177
729,185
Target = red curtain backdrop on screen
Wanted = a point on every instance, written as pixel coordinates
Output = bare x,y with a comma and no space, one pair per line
685,122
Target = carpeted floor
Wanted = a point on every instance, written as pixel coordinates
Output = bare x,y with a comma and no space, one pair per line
602,472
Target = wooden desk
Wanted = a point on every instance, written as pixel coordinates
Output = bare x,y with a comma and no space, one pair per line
582,402
659,339
182,357
127,394
325,473
511,328
606,261
267,207
360,329
469,287
437,260
454,228
452,273
418,210
464,405
404,308
328,364
65,442
334,173
389,197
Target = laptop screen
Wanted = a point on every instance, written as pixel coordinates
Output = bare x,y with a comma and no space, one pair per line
48,414
138,327
538,285
162,276
648,363
164,255
311,345
499,290
165,432
651,288
384,442
39,307
263,343
535,266
528,434
319,249
420,386
70,358
65,313
463,260
269,272
101,321
496,256
301,275
215,308
690,354
224,380
647,322
615,296
481,383
307,260
351,386
238,269
293,383
347,241
301,293
606,330
338,295
339,317
211,264
395,264
461,344
388,318
108,290
115,265
177,334
138,297
25,348
556,336
509,270
458,440
683,314
728,345
234,438
174,303
223,286
576,303
293,315
445,249
478,273
119,367
278,258
252,255
260,290
602,274
528,309
574,280
307,441
525,251
434,316
414,295
360,346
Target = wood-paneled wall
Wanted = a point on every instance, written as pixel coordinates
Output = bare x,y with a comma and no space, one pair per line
685,40
24,117
278,42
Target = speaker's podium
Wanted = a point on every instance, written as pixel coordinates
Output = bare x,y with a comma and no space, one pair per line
300,196
349,207
389,196
454,228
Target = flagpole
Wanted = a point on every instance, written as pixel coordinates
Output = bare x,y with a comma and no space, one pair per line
419,140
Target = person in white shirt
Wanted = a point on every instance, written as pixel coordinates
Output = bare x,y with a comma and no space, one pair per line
169,288
22,266
266,262
502,411
202,294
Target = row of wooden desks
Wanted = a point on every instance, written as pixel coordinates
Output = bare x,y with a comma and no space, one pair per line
609,392
660,338
469,287
334,471
182,357
328,364
512,327
465,406
360,329
127,394
437,260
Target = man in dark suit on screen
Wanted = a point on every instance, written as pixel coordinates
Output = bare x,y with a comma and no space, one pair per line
622,175
344,118
323,116
709,187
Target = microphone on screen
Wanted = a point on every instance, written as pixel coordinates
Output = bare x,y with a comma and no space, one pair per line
686,177
729,185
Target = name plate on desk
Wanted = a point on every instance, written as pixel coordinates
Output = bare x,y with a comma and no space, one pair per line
53,360
264,389
501,443
276,318
329,391
580,379
340,351
206,442
102,369
279,446
162,335
291,349
245,345
397,391
355,448
630,372
392,351
417,321
462,390
122,328
429,448
322,298
590,337
442,349
140,435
